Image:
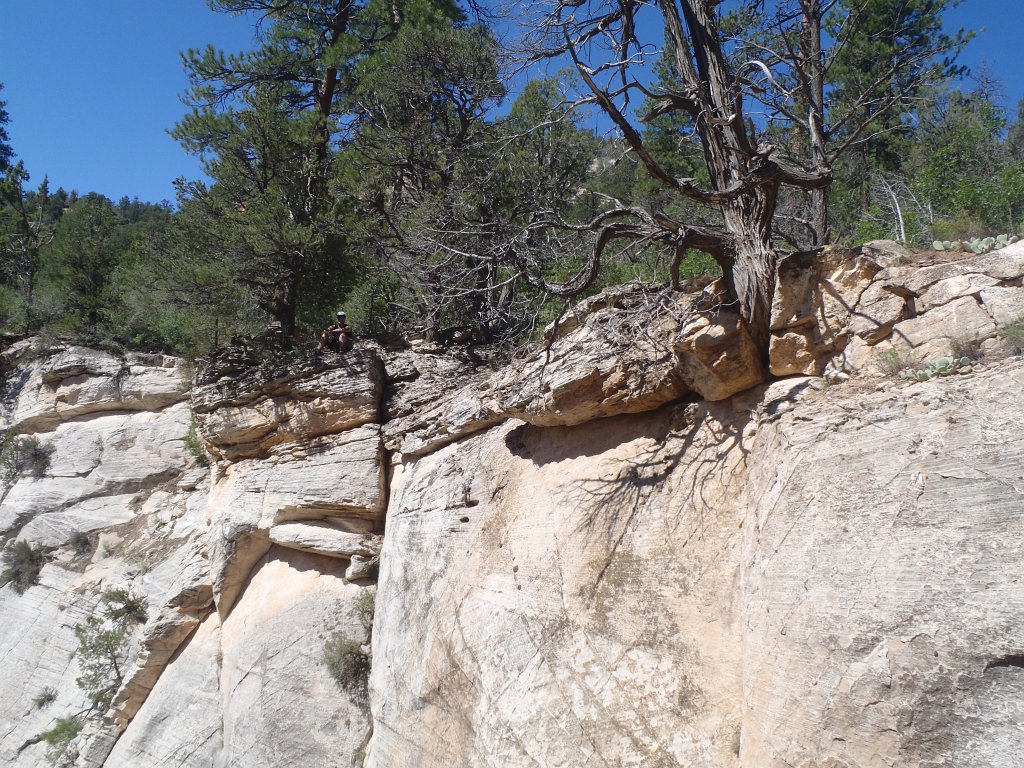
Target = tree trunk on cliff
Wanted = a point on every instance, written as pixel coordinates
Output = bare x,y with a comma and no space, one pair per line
708,92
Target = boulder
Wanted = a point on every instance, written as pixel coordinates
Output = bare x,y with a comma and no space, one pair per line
716,357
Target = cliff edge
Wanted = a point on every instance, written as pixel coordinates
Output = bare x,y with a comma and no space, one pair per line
640,545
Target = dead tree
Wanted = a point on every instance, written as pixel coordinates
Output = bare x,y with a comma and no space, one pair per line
600,37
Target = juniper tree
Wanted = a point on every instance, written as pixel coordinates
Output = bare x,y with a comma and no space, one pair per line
771,61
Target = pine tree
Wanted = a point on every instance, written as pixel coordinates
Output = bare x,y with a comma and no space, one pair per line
269,125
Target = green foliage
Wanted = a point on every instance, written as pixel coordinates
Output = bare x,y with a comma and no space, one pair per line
102,656
44,698
21,456
1013,334
22,565
944,366
348,664
194,444
123,607
6,153
103,645
345,658
59,738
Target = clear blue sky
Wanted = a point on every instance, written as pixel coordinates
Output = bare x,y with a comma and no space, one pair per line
92,85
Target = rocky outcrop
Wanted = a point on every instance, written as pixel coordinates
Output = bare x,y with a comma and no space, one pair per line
250,398
625,548
859,311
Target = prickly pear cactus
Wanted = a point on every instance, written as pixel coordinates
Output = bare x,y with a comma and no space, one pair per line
944,366
977,244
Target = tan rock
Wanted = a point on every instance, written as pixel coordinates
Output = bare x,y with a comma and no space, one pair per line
963,319
1006,305
712,587
77,382
245,411
340,478
716,357
877,312
619,359
325,539
280,704
952,288
794,353
181,721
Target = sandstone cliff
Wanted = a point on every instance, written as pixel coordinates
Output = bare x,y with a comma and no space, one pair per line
636,547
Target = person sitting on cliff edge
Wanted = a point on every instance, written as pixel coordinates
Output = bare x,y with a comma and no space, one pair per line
337,337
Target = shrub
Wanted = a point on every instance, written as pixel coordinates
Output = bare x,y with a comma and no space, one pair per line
23,456
1013,334
80,543
22,564
892,361
194,445
348,664
45,698
123,606
969,348
59,740
364,608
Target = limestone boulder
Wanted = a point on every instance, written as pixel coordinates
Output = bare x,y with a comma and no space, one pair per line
1004,304
952,288
930,334
325,539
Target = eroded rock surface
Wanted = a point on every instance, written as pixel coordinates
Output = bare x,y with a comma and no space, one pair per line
804,578
622,549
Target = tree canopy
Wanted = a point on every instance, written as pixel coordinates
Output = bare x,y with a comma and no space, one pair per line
392,156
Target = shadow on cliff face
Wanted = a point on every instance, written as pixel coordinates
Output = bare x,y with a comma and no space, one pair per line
696,448
547,445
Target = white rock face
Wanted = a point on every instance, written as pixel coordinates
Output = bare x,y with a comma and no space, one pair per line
832,579
584,563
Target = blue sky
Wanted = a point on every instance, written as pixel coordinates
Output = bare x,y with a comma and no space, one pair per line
92,85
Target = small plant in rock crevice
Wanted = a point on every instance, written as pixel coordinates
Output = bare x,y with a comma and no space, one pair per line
347,660
194,445
22,565
1013,334
966,348
59,738
892,362
44,698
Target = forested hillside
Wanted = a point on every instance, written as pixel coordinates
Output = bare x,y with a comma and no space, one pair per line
445,167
